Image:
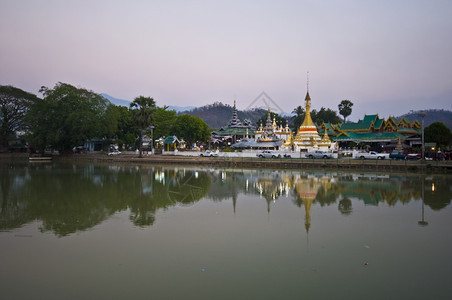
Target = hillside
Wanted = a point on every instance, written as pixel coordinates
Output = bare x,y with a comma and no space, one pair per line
126,103
432,115
218,114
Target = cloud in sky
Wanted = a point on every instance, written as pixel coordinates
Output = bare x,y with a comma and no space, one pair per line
387,57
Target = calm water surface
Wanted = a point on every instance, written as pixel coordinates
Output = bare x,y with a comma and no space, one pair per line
79,231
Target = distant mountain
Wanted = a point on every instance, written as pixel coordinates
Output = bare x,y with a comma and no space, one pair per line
218,114
432,115
180,109
122,102
116,101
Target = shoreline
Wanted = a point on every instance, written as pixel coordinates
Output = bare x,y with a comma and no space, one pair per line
253,163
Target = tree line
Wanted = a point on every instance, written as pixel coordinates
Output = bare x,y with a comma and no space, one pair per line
66,116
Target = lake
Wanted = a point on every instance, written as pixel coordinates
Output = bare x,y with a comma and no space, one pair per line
99,231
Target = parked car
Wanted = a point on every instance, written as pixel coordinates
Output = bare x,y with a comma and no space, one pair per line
371,155
79,149
268,154
114,152
209,153
319,154
413,156
397,155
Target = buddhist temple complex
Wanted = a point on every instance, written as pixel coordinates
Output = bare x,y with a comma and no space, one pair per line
373,131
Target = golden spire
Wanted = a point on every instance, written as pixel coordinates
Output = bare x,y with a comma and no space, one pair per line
326,138
307,119
307,217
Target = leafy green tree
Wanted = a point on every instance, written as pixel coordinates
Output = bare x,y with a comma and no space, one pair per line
164,121
345,108
68,116
325,115
191,129
143,109
126,131
14,104
438,133
345,206
299,116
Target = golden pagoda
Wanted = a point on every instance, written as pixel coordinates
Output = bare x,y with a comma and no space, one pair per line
325,140
306,190
289,141
307,136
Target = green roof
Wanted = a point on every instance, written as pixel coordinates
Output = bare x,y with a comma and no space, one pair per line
328,130
363,124
360,125
409,130
233,131
378,123
171,140
376,136
370,118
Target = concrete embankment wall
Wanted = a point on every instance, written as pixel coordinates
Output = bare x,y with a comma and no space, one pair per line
252,162
281,163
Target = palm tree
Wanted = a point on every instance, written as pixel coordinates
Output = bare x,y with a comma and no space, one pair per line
345,108
143,115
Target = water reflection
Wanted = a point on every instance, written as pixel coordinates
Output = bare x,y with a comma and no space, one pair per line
68,198
423,222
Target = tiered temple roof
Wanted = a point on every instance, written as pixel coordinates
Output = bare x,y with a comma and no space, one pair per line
372,128
235,129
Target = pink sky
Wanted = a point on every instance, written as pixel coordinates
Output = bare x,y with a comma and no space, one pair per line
388,57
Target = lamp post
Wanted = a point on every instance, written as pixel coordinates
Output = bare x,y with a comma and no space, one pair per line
423,114
152,138
422,222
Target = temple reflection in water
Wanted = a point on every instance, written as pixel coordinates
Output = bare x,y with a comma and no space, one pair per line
69,198
325,189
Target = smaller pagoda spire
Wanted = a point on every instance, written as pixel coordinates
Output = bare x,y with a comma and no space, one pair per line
235,122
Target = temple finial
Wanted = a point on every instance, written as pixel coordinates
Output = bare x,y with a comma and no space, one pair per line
307,81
